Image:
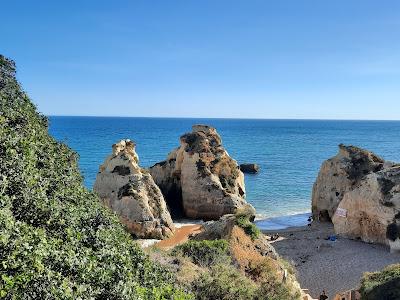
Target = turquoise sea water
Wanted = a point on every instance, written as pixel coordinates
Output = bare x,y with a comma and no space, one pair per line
289,152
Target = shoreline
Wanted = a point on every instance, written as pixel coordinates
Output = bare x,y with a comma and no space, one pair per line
333,266
283,222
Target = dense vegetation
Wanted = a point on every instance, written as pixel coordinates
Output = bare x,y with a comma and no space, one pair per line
381,285
215,273
205,253
56,241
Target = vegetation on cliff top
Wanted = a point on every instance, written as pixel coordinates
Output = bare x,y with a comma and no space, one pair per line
381,285
56,240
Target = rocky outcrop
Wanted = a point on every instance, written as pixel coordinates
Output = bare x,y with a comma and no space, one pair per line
250,168
339,175
393,235
360,193
226,228
199,179
131,192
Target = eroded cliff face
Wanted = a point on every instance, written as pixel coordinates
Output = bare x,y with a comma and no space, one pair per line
131,192
200,178
360,193
338,175
370,207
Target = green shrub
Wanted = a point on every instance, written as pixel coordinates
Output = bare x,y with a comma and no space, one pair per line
249,228
224,282
381,285
271,284
204,253
56,240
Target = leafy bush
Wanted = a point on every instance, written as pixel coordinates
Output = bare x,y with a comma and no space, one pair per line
249,227
381,285
204,253
224,282
56,240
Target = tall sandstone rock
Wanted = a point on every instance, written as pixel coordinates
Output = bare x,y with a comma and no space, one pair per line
132,194
360,193
199,179
338,175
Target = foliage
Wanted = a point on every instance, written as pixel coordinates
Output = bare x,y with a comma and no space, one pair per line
224,282
204,253
249,227
56,240
381,285
271,284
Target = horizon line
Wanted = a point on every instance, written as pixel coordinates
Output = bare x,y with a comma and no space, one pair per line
224,118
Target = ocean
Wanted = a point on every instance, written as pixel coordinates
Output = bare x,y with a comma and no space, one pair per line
289,152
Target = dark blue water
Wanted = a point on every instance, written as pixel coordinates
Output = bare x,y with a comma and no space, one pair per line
289,152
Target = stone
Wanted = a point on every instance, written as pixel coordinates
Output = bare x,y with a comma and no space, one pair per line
360,193
393,236
225,227
199,179
250,168
339,175
132,194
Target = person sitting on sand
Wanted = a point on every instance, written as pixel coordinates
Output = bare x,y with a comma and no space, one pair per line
323,296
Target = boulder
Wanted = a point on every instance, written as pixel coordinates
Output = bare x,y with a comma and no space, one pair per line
250,168
339,175
132,194
360,193
393,235
199,179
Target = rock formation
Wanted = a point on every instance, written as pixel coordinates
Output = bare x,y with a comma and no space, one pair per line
131,192
393,235
250,168
339,175
360,193
199,178
225,228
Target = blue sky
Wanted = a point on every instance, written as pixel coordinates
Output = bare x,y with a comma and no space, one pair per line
248,59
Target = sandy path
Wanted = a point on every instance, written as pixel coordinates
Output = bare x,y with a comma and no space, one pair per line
180,236
333,266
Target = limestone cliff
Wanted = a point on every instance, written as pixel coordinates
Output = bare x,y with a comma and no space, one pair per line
131,192
339,175
360,193
199,179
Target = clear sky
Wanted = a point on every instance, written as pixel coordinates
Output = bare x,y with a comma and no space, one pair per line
248,59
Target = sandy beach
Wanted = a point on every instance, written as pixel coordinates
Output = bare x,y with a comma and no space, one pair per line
334,266
180,236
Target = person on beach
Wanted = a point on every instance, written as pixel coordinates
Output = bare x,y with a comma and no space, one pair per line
323,296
